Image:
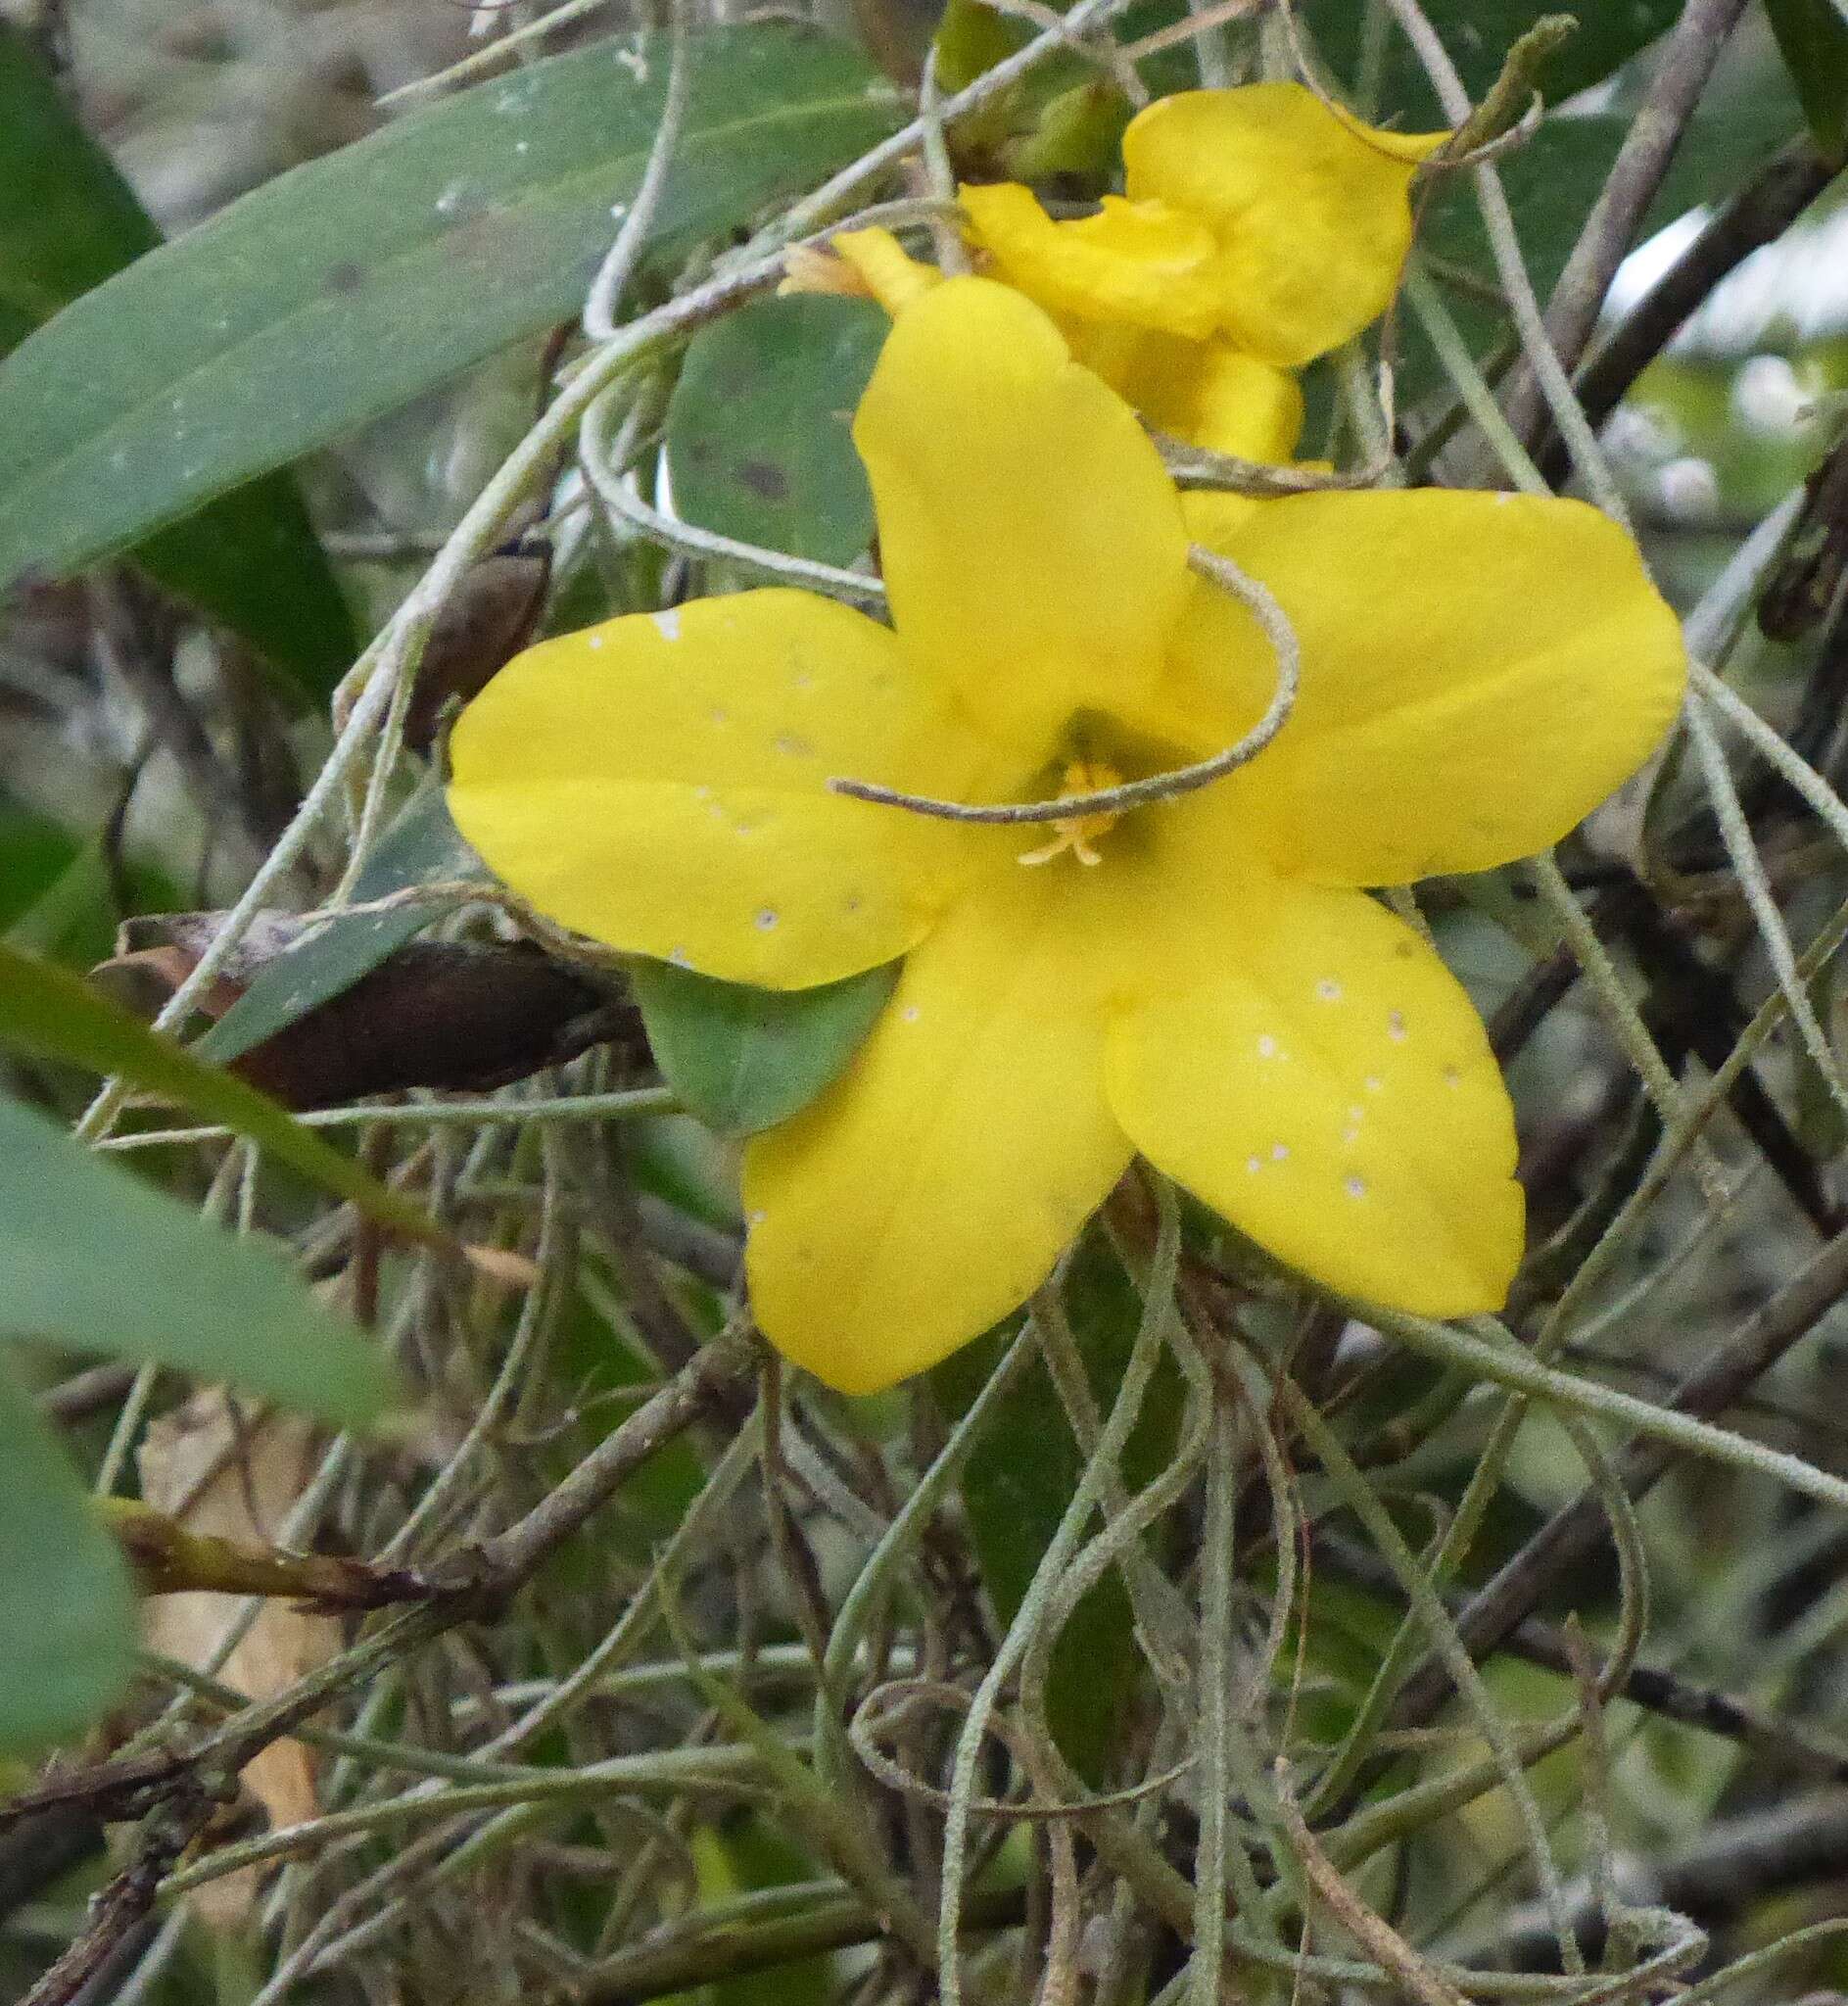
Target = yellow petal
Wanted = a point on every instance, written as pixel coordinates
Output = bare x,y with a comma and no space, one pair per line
1032,541
1479,671
1142,262
1207,393
929,1191
1325,1084
659,783
884,268
1313,212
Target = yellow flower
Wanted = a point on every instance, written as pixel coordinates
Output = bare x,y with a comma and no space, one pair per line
1260,230
1214,989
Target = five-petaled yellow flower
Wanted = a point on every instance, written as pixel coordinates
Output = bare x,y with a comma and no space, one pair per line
1258,229
1204,979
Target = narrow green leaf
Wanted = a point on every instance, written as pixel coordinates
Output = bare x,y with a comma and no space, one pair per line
349,285
744,1059
1813,38
99,1261
67,222
67,1607
421,848
51,1013
759,438
1020,1479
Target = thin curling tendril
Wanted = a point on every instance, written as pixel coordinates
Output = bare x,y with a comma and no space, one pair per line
1155,787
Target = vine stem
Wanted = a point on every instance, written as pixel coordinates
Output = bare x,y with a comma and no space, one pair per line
1178,780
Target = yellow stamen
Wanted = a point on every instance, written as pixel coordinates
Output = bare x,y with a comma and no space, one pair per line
808,270
1078,834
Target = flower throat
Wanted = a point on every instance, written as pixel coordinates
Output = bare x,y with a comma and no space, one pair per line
1081,833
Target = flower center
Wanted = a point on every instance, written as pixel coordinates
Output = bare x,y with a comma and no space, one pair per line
1078,834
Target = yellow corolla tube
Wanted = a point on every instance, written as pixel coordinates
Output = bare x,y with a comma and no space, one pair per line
1205,979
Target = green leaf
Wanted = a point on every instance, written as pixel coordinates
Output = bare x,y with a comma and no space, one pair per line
67,1606
1477,35
34,853
423,846
348,286
1813,38
67,222
1553,181
53,1014
98,1260
759,442
1020,1479
744,1059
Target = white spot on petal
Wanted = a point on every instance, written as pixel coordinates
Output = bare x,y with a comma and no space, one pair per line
1279,1152
1373,1082
1453,1076
757,1217
1266,1046
1354,1186
909,1015
1395,1026
1254,1165
667,623
767,917
1328,990
593,640
680,958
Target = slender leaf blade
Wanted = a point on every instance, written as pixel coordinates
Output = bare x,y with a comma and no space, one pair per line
67,222
51,1013
352,284
422,846
67,1607
94,1258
